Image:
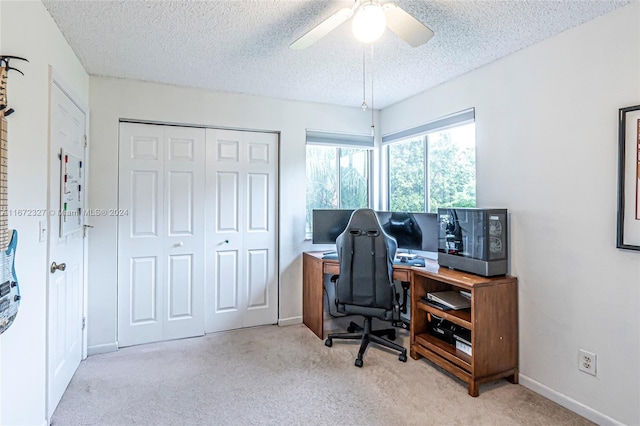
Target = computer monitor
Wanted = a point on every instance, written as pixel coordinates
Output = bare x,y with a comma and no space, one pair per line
430,227
412,231
328,224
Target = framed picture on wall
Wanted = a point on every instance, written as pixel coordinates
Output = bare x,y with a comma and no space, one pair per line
628,233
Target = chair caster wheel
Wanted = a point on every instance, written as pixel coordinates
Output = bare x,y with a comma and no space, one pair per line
403,357
392,335
358,362
328,343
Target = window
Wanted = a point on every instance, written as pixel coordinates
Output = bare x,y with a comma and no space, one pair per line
452,167
406,175
433,165
338,175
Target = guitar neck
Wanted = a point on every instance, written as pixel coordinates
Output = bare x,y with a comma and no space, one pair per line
4,229
4,233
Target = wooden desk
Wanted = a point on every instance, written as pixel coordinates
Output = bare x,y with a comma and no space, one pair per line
313,269
492,318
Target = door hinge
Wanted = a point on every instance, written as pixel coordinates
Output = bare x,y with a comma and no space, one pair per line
85,141
84,230
84,322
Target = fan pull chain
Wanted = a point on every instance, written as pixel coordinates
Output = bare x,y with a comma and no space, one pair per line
373,127
364,80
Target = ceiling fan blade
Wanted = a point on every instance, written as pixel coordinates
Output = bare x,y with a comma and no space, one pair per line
322,29
406,26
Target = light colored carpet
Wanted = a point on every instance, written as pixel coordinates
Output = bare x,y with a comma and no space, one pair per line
286,376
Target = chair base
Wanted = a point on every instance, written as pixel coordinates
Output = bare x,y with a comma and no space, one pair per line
366,336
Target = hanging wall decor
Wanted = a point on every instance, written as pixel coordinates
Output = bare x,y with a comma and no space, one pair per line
9,290
71,195
628,233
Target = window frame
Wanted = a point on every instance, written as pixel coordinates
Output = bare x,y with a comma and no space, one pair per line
423,132
339,142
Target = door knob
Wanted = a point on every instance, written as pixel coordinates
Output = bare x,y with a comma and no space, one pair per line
180,244
55,267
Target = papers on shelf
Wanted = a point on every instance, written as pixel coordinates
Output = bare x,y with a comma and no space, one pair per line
463,347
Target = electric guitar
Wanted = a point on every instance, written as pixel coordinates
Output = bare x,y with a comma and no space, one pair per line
9,290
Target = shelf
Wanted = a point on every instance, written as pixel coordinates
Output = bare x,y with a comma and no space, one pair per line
445,350
460,317
492,320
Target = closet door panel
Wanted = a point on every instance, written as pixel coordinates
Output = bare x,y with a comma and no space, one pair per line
241,192
161,240
140,239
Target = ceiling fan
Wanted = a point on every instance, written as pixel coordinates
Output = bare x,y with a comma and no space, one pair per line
370,20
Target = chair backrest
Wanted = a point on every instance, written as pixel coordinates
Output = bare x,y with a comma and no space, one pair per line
366,256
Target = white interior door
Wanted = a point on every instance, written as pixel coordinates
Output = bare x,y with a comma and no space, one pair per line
65,284
242,283
161,238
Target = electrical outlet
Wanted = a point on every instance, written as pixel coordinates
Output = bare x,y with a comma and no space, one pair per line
587,362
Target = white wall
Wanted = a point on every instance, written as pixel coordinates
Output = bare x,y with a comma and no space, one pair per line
112,99
546,130
28,30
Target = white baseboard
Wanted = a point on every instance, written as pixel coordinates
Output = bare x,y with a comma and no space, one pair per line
102,349
289,321
569,403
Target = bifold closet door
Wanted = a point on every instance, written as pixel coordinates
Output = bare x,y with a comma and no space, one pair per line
161,234
241,259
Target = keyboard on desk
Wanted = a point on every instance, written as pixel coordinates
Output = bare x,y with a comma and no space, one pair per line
402,260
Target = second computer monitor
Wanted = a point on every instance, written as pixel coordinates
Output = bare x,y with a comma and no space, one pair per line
412,231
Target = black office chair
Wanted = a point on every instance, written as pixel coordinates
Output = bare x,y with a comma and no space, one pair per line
365,285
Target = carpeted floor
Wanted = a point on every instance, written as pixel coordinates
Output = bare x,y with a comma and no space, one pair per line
285,376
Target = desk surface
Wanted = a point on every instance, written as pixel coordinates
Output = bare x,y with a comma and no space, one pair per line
332,266
402,271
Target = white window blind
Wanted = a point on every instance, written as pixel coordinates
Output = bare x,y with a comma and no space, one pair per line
457,119
319,137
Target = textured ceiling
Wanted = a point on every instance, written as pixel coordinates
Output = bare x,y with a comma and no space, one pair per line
242,46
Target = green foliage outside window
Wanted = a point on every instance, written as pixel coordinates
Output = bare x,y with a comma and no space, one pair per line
333,187
406,176
321,178
452,173
451,165
354,177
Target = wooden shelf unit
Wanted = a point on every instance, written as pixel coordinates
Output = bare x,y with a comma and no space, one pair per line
492,319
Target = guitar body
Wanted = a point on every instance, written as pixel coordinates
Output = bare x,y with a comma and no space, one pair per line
9,290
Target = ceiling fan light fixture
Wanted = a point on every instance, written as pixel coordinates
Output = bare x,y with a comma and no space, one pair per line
369,22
